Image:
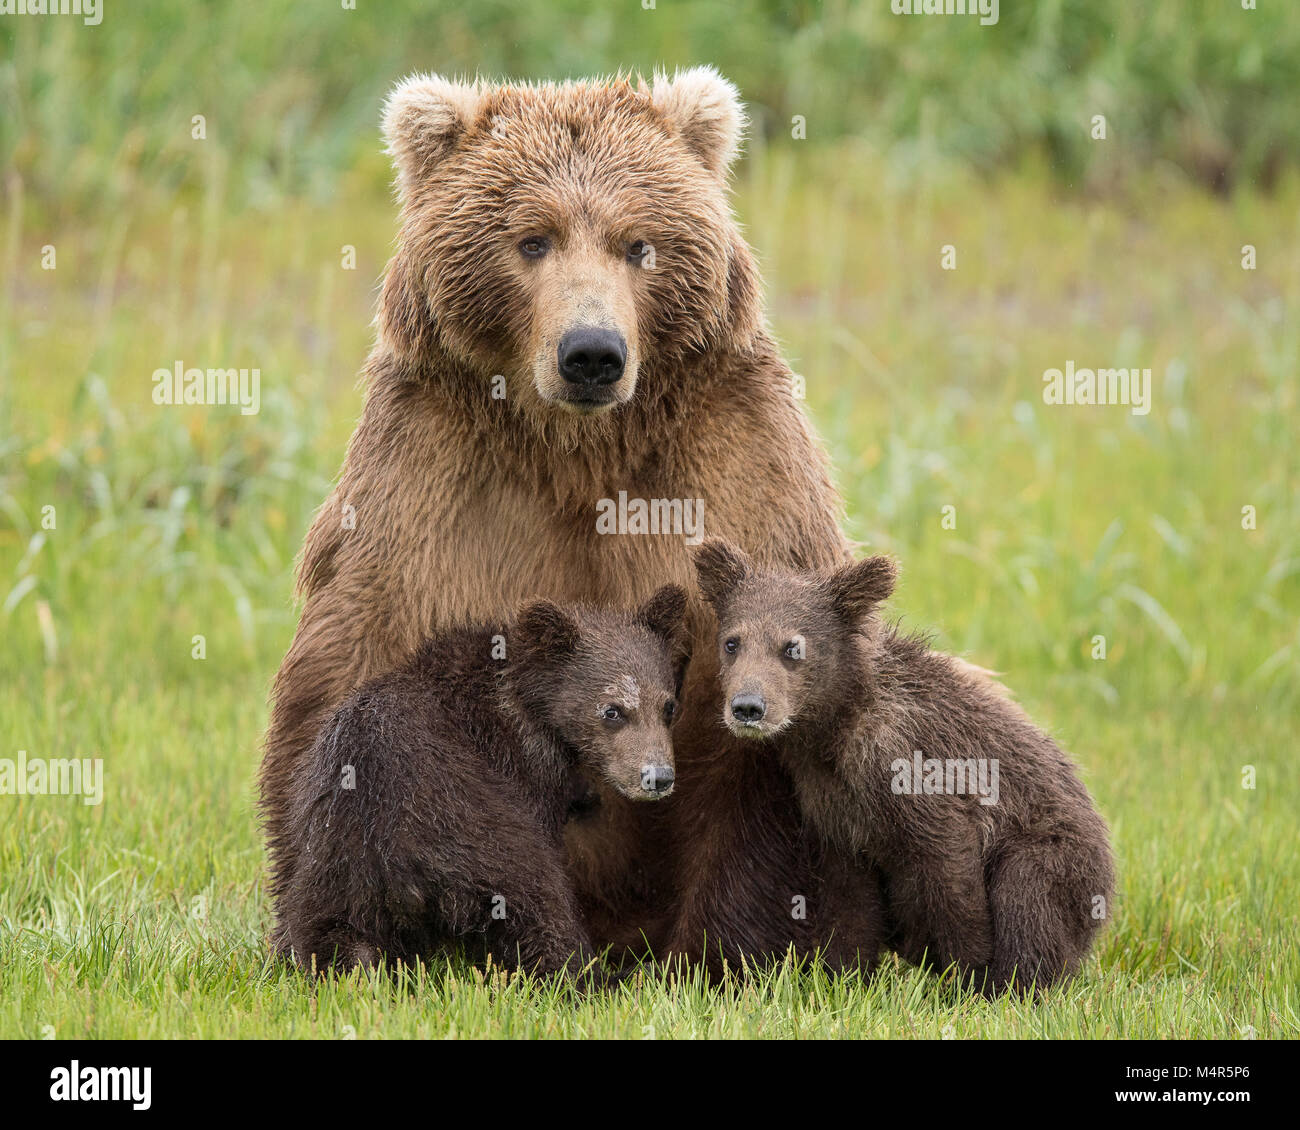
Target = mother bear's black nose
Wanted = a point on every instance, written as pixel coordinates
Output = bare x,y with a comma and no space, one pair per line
590,355
748,708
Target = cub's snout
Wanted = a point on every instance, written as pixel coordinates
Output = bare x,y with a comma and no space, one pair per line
748,709
657,781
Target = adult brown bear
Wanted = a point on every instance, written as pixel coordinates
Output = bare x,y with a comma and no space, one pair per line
572,318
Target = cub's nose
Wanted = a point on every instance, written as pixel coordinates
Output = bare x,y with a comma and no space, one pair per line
657,779
592,356
748,708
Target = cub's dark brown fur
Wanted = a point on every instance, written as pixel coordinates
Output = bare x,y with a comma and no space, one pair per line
1013,891
430,807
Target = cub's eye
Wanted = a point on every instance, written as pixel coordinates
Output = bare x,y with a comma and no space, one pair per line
670,712
793,650
612,714
534,247
637,251
731,645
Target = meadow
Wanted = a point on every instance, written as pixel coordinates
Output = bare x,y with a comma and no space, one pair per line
146,552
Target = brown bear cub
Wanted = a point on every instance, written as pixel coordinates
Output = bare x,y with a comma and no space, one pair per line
430,807
992,856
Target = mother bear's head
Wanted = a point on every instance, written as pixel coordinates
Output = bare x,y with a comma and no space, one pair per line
574,238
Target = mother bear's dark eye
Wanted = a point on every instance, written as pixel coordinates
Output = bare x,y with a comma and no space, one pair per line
534,247
731,645
637,251
612,714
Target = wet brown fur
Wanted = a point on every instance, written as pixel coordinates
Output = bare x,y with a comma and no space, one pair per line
429,810
453,506
1008,891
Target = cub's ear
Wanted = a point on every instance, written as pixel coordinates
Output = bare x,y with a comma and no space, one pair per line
719,567
423,118
665,613
856,589
546,629
706,111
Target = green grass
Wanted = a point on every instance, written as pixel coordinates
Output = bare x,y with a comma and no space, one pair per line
145,916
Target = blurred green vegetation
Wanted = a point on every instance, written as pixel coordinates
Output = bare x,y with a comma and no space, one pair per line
290,90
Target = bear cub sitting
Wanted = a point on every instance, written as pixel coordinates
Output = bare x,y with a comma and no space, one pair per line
431,806
991,854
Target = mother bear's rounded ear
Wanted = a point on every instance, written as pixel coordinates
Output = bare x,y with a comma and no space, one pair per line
719,568
705,111
424,117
